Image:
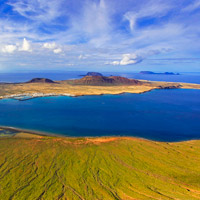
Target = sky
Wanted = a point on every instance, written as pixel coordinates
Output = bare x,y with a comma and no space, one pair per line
99,35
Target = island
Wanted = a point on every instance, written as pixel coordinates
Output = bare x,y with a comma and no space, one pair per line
39,166
88,85
94,74
164,73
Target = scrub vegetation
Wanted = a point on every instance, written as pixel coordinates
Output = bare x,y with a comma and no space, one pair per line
45,167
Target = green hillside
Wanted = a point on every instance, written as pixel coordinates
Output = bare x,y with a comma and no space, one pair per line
101,168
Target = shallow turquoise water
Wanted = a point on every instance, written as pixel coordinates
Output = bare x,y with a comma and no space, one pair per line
164,115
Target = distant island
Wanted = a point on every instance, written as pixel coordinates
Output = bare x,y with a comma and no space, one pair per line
93,83
163,73
92,74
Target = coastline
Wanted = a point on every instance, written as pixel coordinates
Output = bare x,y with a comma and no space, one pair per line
42,134
28,96
24,97
26,91
90,91
39,133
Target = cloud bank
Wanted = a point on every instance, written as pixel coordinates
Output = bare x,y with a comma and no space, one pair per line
9,48
88,34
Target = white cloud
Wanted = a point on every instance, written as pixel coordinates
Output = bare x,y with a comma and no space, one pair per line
41,10
49,45
138,56
58,50
93,23
25,46
150,9
97,14
131,17
9,48
128,59
192,6
114,63
82,57
52,46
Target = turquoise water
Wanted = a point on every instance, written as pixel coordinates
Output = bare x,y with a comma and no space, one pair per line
163,115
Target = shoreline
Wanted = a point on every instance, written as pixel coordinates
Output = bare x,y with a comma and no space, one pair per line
24,97
39,133
28,96
58,136
17,97
27,91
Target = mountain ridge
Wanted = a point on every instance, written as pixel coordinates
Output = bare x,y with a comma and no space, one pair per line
103,80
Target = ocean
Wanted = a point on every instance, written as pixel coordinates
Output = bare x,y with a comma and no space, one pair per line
162,115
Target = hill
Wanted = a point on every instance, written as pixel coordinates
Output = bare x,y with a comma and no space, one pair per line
41,80
103,81
94,74
97,168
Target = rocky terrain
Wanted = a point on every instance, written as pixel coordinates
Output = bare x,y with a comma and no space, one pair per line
103,80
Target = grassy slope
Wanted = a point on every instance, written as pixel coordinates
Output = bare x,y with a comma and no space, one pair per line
126,168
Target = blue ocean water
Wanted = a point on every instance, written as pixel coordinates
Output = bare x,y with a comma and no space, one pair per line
163,115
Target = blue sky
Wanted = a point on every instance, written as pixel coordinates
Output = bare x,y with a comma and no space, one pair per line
99,35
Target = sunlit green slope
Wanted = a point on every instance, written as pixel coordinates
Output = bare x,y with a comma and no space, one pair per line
104,168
